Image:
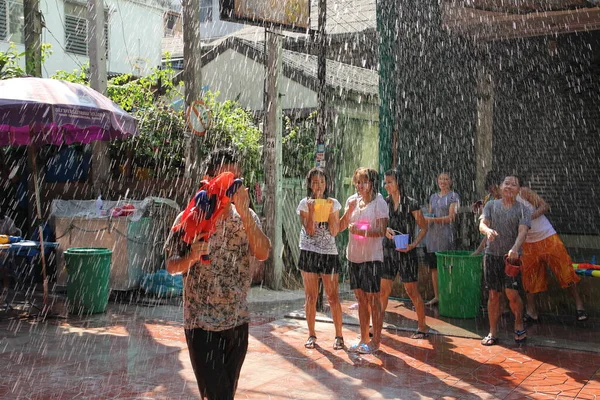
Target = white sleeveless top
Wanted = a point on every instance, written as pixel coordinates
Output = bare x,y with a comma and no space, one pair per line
541,228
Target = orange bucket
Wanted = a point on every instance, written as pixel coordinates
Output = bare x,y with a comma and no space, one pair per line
513,268
322,210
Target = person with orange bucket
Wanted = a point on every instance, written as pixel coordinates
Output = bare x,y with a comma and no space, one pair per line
320,217
505,223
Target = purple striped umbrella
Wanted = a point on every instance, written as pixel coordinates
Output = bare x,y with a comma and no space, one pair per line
51,111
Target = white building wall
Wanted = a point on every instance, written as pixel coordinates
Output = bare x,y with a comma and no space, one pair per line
236,76
135,33
217,28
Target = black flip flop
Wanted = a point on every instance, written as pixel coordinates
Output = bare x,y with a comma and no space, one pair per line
581,316
519,339
528,318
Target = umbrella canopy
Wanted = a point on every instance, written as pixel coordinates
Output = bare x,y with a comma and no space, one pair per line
51,111
36,111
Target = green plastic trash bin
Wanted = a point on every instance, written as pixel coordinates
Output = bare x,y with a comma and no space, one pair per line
459,283
88,278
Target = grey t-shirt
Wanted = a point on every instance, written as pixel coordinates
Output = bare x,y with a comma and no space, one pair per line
442,236
506,222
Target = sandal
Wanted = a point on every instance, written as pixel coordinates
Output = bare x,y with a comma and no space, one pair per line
338,343
310,342
420,335
521,336
489,340
432,302
581,316
367,348
529,319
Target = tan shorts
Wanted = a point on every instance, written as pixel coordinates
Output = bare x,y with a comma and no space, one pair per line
551,252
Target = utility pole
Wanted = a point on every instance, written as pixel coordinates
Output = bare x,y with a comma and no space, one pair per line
33,66
321,78
32,30
192,77
320,154
33,37
98,82
272,159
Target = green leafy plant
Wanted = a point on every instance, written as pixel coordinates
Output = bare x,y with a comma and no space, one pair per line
9,63
233,126
299,139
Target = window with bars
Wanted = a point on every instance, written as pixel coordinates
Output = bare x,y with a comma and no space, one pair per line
206,11
76,29
11,20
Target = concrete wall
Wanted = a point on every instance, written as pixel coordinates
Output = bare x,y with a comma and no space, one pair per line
135,33
546,118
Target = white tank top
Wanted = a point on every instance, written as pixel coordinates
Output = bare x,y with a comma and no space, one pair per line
541,228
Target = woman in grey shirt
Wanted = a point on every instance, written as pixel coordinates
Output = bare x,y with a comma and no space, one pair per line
441,235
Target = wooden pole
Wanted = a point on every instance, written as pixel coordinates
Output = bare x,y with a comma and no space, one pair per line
322,159
192,76
98,82
33,66
272,159
32,30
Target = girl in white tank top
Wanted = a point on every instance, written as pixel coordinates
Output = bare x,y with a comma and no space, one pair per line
541,228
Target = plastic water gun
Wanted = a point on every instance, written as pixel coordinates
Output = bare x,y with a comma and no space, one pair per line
205,208
587,269
6,239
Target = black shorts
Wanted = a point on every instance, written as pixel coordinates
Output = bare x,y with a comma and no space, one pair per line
431,260
365,276
494,276
405,263
317,263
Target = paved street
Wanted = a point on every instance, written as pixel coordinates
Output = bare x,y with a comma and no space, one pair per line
138,351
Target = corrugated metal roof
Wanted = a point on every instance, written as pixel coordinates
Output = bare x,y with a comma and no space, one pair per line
346,16
340,76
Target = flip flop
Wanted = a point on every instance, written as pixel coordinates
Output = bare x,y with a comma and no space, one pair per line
367,349
310,342
581,316
520,336
528,318
489,340
355,348
420,335
432,302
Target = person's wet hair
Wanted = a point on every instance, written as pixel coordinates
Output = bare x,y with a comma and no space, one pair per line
394,173
370,174
517,177
492,178
318,172
218,158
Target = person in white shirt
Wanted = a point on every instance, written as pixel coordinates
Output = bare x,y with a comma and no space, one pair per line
366,217
318,253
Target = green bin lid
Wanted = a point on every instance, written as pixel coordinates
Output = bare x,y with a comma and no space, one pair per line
88,251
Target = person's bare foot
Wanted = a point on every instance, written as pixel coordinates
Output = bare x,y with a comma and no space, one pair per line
432,302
